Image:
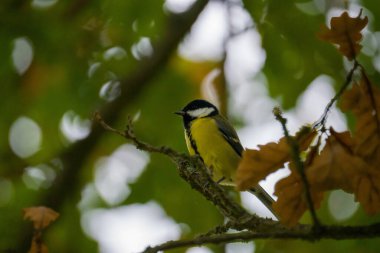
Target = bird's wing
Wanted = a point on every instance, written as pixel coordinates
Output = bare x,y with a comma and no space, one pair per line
229,134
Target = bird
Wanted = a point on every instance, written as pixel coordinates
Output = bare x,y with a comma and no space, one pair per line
212,137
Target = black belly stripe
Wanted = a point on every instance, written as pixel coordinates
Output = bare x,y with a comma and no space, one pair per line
193,144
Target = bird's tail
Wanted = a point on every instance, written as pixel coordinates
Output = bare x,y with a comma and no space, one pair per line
264,197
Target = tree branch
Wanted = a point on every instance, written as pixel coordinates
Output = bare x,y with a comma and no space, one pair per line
129,134
303,232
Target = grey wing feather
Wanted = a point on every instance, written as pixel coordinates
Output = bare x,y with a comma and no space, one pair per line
229,134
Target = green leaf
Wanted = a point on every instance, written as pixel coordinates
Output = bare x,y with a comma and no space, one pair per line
294,56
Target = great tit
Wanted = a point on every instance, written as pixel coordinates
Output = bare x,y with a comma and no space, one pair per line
210,135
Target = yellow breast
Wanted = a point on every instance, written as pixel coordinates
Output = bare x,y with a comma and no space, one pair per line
217,154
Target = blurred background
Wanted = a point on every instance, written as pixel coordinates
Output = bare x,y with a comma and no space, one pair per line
63,60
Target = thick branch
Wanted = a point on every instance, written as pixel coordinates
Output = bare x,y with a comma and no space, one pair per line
277,232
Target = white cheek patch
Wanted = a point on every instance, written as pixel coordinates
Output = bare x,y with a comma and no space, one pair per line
201,112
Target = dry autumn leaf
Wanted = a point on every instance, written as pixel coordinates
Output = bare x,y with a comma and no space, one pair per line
346,32
41,216
291,203
364,101
335,167
257,164
367,190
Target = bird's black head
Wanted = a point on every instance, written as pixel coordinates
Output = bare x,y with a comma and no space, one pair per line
197,109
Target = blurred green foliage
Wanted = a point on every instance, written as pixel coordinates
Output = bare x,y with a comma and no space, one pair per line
71,62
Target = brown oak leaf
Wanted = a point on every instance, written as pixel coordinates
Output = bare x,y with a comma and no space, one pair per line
257,164
345,31
338,167
367,190
291,203
363,99
41,216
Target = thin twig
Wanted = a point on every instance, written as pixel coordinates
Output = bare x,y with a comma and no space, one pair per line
322,120
129,134
295,152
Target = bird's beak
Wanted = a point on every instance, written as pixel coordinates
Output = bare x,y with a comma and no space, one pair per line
181,113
